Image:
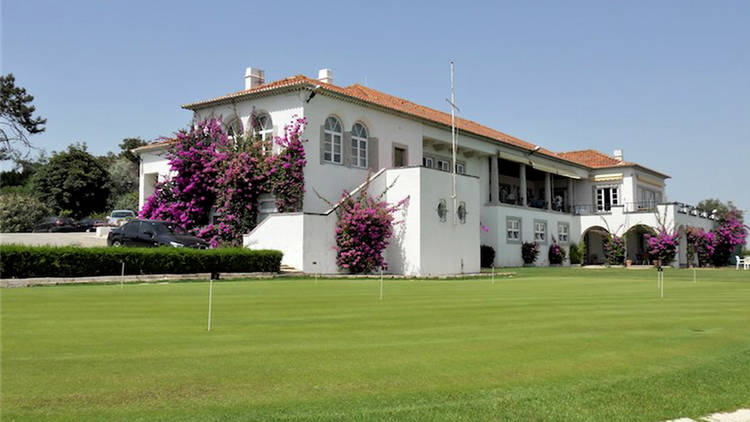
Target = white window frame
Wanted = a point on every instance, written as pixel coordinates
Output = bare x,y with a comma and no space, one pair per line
265,132
443,165
359,145
460,168
563,232
428,162
513,229
540,231
333,137
602,193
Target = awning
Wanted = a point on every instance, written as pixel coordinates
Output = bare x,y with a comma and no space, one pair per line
650,181
555,170
611,177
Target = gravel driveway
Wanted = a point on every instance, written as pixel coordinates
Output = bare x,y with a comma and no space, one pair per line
53,239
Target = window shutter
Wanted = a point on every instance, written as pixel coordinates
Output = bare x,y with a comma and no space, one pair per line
346,149
372,154
322,142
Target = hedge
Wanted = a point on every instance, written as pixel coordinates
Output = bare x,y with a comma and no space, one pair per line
72,261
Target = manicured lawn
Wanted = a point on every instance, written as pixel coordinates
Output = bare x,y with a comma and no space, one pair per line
548,344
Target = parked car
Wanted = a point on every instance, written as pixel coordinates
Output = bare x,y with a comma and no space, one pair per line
90,224
55,224
118,216
149,233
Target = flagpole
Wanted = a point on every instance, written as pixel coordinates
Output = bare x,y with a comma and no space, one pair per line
453,142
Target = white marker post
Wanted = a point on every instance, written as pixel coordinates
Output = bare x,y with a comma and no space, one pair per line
695,280
122,274
381,283
210,299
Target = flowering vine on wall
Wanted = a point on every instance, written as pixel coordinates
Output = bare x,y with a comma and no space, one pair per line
364,229
213,170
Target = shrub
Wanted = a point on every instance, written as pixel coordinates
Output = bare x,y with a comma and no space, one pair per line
663,246
529,252
72,261
486,256
19,212
614,250
730,234
126,201
73,180
556,253
575,254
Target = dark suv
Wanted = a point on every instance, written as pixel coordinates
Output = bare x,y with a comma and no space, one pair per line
149,233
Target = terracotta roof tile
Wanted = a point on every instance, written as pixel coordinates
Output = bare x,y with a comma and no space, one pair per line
588,158
593,158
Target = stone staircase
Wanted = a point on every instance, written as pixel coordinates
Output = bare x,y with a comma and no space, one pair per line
288,270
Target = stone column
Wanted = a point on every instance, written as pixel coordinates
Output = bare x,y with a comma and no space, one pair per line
522,188
548,190
570,195
494,183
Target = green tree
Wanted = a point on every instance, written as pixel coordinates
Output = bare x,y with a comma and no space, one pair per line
17,120
74,181
20,212
722,209
127,145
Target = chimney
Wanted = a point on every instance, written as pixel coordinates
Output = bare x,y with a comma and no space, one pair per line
325,76
254,77
618,154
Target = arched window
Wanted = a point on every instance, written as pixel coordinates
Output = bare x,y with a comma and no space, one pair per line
333,141
359,145
263,128
234,128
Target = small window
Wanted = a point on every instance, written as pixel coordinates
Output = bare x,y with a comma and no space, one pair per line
443,165
563,231
427,162
513,229
332,141
460,168
442,210
540,231
461,212
359,146
399,157
234,128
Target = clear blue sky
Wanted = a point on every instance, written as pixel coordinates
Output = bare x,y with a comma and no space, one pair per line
667,81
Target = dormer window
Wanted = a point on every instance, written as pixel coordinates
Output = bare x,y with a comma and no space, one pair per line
332,142
359,146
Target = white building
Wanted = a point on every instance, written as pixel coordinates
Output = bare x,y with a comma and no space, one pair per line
520,192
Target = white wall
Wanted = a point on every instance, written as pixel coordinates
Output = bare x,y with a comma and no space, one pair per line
445,247
508,254
153,162
328,179
283,232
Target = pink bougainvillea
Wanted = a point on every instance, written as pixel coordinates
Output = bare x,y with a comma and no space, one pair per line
663,246
730,234
614,250
288,181
702,244
196,159
363,231
227,174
